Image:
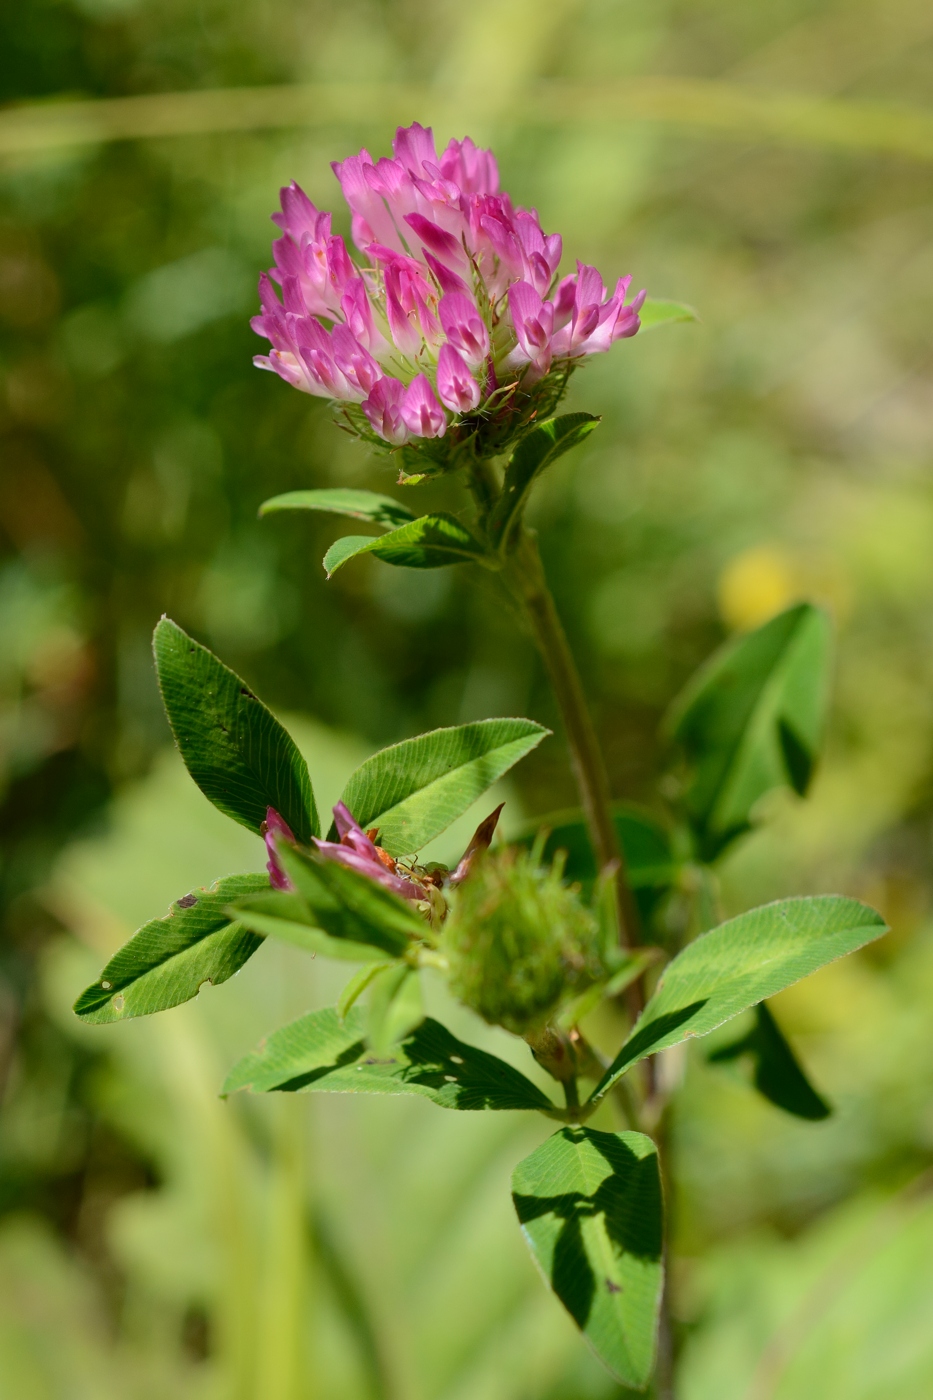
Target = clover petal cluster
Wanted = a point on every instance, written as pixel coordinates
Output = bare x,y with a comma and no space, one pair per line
455,307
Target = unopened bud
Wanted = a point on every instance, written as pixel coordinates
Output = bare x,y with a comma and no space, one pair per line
518,941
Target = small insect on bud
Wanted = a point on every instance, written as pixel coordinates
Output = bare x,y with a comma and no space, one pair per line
518,941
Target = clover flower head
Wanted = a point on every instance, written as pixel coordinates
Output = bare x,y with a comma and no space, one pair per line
452,323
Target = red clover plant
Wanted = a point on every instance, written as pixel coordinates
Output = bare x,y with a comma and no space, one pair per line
448,345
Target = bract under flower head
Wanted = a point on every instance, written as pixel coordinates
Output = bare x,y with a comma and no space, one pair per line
452,324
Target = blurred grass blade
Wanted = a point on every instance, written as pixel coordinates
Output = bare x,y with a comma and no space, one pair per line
731,968
412,791
778,1074
351,1300
589,1205
749,113
167,961
656,312
233,746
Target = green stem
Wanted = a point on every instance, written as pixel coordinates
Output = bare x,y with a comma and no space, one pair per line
524,576
666,1366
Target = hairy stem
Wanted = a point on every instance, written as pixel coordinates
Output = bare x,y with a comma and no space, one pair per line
525,578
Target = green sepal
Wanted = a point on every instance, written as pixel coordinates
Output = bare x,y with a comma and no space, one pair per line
778,1074
319,1052
168,960
590,1208
233,746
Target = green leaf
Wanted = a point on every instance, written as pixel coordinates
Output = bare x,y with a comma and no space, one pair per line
395,1008
287,917
740,963
430,542
414,790
778,1074
752,720
319,1052
590,1208
658,312
167,961
234,748
341,500
533,454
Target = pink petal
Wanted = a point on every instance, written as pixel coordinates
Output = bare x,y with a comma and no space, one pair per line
299,217
456,387
413,145
473,169
373,869
383,408
464,327
354,360
274,829
447,281
421,412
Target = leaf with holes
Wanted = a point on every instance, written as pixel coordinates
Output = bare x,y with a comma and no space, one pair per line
343,500
590,1208
430,542
413,791
167,961
752,720
234,748
778,1075
322,1053
733,967
531,457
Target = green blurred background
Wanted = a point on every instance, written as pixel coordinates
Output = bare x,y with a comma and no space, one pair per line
773,166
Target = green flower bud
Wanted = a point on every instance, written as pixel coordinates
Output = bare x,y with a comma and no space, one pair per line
518,940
